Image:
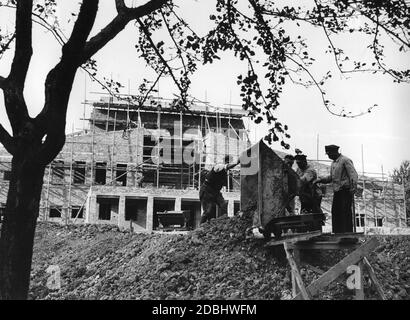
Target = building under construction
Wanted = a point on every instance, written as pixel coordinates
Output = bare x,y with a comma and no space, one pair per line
131,164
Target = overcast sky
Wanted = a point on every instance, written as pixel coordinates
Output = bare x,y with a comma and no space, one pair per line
384,133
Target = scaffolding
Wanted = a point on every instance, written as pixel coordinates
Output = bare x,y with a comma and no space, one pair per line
114,153
378,202
111,153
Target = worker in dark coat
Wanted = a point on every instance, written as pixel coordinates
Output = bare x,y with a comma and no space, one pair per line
343,177
210,192
310,195
289,160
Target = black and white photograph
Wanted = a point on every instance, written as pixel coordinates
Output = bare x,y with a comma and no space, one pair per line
205,158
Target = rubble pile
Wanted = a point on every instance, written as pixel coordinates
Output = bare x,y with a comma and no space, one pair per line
391,263
215,261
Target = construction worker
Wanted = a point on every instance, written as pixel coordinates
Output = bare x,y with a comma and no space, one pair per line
343,177
210,191
289,160
309,195
139,177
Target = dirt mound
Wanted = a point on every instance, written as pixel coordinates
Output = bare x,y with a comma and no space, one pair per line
215,261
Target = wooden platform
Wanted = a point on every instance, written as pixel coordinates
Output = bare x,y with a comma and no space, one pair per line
317,240
294,237
355,261
329,241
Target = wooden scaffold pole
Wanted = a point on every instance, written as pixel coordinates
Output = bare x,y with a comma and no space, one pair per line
92,150
48,193
113,147
385,187
110,98
364,198
404,201
396,215
71,172
180,146
159,133
200,147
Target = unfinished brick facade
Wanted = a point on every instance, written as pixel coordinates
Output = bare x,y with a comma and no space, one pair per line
116,171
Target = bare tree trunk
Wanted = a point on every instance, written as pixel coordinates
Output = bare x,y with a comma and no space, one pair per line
17,233
36,142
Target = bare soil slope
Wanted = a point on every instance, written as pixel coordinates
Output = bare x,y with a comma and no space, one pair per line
212,262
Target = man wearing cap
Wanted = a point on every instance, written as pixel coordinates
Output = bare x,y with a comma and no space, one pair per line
343,177
309,194
210,192
289,160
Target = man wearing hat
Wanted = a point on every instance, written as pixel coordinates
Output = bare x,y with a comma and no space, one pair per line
210,192
343,177
289,160
309,194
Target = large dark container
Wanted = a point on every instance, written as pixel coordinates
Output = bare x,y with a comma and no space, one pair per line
267,184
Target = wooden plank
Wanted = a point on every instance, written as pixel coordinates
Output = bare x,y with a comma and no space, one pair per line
359,294
295,287
292,224
316,269
348,240
296,274
295,290
294,238
341,266
348,235
374,278
326,246
296,257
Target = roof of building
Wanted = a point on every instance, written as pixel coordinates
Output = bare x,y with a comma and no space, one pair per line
106,102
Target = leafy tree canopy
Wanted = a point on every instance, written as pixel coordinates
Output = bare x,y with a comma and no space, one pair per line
402,173
256,31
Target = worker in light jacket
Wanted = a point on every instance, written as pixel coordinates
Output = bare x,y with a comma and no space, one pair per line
343,177
210,192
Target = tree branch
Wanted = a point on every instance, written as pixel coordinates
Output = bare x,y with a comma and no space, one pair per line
2,82
315,82
57,33
378,55
104,36
376,21
51,119
120,5
7,45
322,93
125,15
75,45
181,20
145,97
24,50
7,140
322,19
154,47
174,41
13,85
145,9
